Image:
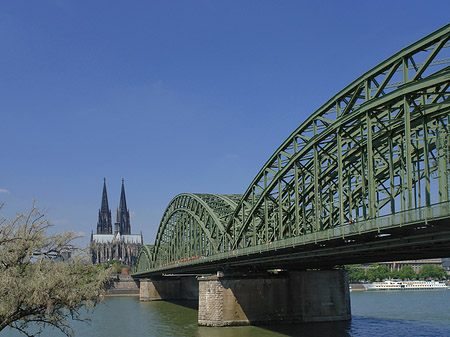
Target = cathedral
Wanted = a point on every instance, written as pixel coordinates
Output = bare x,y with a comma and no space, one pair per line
121,245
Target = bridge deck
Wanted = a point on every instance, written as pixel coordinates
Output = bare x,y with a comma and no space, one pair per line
416,234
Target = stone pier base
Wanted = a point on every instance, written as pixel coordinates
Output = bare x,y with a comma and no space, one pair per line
303,296
170,288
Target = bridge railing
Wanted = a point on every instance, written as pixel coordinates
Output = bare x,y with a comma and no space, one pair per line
419,215
347,231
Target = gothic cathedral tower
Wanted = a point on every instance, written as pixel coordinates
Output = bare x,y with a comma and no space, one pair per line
120,245
104,224
122,224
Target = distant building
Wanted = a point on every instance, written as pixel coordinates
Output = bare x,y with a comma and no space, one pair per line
415,264
446,265
64,256
121,245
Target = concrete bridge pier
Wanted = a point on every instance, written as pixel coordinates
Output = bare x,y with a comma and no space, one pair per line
298,296
168,288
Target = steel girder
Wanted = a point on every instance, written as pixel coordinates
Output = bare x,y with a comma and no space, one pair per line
372,149
193,227
144,259
380,146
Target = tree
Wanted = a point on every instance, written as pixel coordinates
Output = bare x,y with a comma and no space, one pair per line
37,288
378,272
432,271
115,265
408,273
372,272
395,274
355,272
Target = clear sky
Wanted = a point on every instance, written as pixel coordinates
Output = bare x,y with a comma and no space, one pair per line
172,96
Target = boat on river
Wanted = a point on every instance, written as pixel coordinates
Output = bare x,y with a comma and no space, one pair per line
405,285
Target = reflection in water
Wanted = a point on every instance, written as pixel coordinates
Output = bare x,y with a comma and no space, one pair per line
423,313
313,329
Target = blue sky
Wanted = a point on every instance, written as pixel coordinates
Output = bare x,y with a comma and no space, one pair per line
172,96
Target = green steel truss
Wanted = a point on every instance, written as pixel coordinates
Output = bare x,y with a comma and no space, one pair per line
380,146
193,227
145,258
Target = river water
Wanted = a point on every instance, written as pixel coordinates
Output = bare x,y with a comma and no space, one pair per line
378,313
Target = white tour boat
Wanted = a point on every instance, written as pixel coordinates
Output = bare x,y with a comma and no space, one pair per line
405,285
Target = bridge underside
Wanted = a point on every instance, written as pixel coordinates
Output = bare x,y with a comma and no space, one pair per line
419,241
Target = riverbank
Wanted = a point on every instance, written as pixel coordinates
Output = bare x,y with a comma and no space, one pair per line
125,285
357,287
122,285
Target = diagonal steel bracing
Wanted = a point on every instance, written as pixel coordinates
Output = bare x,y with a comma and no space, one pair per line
378,148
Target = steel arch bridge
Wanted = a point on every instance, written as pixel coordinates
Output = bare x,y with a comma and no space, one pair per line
375,157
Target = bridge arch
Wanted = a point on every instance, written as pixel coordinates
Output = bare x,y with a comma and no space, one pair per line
193,227
372,149
145,258
380,146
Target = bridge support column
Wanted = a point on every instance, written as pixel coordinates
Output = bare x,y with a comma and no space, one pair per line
170,288
303,296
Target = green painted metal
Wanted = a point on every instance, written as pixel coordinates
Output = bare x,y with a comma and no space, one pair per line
192,227
145,258
357,139
378,148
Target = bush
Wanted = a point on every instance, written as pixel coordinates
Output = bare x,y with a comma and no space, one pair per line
39,288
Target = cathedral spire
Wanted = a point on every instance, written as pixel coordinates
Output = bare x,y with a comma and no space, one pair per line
104,224
123,215
123,200
104,205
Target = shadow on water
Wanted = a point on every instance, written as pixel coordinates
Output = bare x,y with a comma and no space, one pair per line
190,304
358,326
191,328
311,329
341,329
375,315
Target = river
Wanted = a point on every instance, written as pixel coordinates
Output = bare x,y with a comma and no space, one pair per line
378,313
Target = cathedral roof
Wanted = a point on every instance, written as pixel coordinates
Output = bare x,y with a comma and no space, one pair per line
129,238
110,238
102,238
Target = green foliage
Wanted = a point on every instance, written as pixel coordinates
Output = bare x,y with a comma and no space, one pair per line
115,265
37,288
395,274
356,273
432,271
407,273
377,272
